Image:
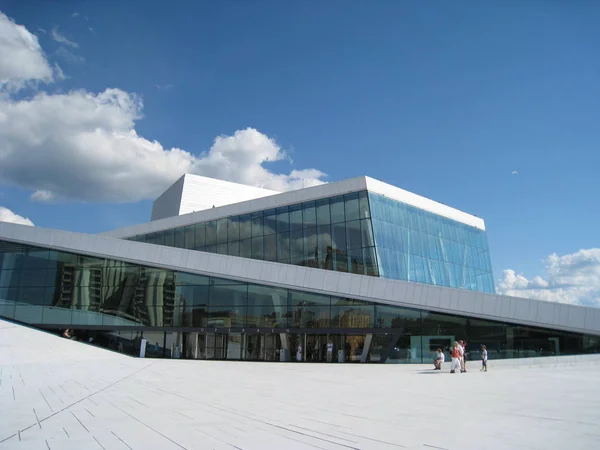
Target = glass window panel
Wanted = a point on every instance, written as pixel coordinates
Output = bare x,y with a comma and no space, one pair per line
340,260
222,225
233,229
353,235
211,232
35,259
230,295
351,206
339,236
363,205
310,246
352,316
257,248
283,247
309,214
257,224
10,294
283,220
366,233
295,217
189,240
306,298
192,295
337,209
226,316
370,259
270,222
270,247
169,238
323,214
419,271
266,316
267,295
357,264
246,248
324,242
179,238
309,316
36,295
222,248
297,244
32,277
189,278
245,223
395,317
233,248
62,258
200,235
211,248
159,238
9,278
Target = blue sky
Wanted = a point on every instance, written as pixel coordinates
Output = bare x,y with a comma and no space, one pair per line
443,99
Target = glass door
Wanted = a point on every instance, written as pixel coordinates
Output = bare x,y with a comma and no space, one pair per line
216,346
254,348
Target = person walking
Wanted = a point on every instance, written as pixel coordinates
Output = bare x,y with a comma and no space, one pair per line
484,357
462,346
299,353
456,356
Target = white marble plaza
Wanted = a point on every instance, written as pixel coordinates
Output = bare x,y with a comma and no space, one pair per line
58,394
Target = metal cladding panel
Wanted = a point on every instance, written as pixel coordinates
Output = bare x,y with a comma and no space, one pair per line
167,205
378,290
244,207
200,193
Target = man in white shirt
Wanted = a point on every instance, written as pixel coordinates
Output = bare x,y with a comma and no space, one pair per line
329,351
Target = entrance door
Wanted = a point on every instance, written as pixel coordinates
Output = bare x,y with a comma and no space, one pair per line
316,347
254,348
216,346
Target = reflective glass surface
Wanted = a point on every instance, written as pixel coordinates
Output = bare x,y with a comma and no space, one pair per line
82,291
331,233
416,245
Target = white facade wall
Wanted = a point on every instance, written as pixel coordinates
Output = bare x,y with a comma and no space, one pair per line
196,193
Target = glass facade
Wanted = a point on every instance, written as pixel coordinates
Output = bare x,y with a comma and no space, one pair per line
184,315
362,233
332,233
416,245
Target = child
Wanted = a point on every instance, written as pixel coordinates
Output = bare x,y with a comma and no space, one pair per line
439,359
483,358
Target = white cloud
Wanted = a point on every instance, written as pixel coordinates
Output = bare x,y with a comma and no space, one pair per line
75,14
572,278
515,172
22,60
42,196
69,56
60,75
6,215
61,39
84,146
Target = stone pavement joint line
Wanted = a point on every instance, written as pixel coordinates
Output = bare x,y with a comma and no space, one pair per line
60,395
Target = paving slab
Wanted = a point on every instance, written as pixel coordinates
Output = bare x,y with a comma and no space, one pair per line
60,394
